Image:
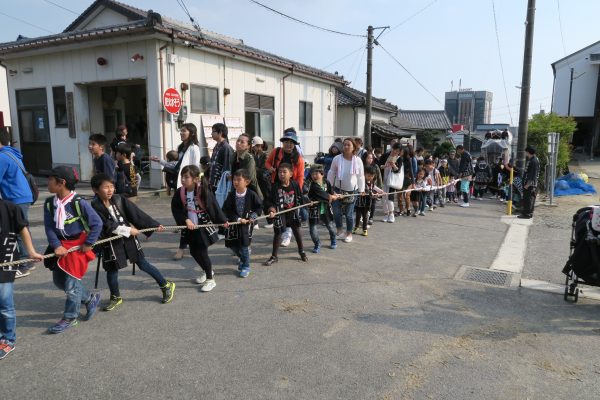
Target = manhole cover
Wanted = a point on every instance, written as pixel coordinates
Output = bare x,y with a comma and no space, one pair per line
486,276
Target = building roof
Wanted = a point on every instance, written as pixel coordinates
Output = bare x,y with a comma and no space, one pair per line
147,22
576,52
348,96
388,131
422,120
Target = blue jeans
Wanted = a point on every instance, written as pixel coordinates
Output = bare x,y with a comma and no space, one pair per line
244,254
314,233
8,317
112,276
77,294
338,212
22,250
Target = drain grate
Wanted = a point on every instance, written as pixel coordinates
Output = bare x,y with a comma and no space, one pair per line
485,276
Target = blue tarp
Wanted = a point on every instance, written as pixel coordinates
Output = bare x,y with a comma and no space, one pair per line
572,185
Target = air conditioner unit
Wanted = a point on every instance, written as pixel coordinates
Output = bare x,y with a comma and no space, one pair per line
594,58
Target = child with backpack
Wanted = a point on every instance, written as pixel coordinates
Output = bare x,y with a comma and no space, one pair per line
320,190
70,221
127,181
242,205
12,223
170,169
285,194
195,204
122,217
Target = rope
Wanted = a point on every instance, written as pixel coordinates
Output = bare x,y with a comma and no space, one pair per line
177,227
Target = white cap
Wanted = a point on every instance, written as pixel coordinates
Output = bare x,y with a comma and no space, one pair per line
257,140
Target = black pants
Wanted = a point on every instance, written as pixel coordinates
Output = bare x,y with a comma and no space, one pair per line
200,253
528,202
372,210
361,213
277,240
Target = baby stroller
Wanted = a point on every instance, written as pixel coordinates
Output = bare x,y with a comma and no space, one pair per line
583,265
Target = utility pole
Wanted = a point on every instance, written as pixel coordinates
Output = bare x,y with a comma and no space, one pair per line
370,41
525,85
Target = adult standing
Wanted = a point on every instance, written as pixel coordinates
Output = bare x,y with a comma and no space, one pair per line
220,160
189,154
465,171
453,164
263,176
288,153
360,153
15,188
392,164
530,180
242,159
346,176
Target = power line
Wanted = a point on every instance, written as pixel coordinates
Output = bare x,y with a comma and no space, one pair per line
304,22
26,22
343,58
359,64
414,15
187,12
562,37
500,57
59,6
408,72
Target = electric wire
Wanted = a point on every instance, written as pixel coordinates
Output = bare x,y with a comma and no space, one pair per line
501,62
410,74
306,23
413,15
25,22
343,58
59,6
560,28
189,15
359,64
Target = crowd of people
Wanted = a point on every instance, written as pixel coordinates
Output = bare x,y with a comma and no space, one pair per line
221,197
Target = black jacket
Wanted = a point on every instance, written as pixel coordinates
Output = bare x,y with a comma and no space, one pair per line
316,193
241,234
116,252
465,168
532,172
277,200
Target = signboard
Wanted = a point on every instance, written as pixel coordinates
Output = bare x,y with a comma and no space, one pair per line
207,122
172,101
235,128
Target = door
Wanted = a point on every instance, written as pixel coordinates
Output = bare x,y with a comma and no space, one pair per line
32,108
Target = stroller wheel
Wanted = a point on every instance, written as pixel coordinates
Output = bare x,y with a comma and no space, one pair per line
571,294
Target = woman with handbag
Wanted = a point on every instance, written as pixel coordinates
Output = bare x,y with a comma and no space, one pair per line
347,177
393,179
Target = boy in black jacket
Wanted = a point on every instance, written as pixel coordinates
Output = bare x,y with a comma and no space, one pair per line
242,205
286,194
320,190
121,217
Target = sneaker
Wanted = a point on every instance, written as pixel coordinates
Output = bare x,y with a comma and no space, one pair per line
316,249
221,237
244,272
385,218
303,257
391,219
365,233
370,222
442,205
355,230
208,285
272,260
341,236
5,348
200,280
256,227
113,304
178,255
168,292
92,306
333,246
285,242
414,214
422,213
62,325
464,205
20,274
268,226
348,238
430,208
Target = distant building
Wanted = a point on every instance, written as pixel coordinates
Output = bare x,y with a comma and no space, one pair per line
469,108
419,121
576,93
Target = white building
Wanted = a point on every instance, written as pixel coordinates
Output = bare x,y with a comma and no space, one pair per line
111,66
576,92
4,104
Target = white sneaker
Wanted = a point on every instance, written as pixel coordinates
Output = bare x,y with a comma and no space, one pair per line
341,236
221,237
208,286
268,226
464,205
386,218
285,242
391,218
256,227
348,238
200,279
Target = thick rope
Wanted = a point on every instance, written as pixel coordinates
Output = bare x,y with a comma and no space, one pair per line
177,227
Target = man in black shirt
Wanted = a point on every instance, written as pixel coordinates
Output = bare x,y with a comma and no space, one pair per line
530,181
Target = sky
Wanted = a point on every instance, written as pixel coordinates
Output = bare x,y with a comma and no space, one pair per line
441,43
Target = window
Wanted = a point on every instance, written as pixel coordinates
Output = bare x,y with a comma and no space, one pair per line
205,100
60,106
305,116
259,117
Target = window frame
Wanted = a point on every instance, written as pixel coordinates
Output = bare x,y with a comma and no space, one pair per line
203,109
305,124
65,116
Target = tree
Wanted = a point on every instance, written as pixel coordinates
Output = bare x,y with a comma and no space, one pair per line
443,148
539,127
426,139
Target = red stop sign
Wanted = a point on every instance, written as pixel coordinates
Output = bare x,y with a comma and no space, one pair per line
172,100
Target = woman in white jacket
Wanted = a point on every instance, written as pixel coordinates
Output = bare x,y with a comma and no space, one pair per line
189,154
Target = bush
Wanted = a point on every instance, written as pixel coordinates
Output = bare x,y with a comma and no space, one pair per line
443,148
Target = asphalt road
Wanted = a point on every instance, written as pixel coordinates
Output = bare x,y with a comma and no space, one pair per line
380,318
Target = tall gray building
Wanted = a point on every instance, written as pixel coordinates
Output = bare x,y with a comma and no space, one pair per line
469,108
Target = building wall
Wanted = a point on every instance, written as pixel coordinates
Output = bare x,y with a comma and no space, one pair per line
4,103
585,79
351,123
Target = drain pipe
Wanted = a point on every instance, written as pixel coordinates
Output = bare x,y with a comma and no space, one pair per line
162,90
283,98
